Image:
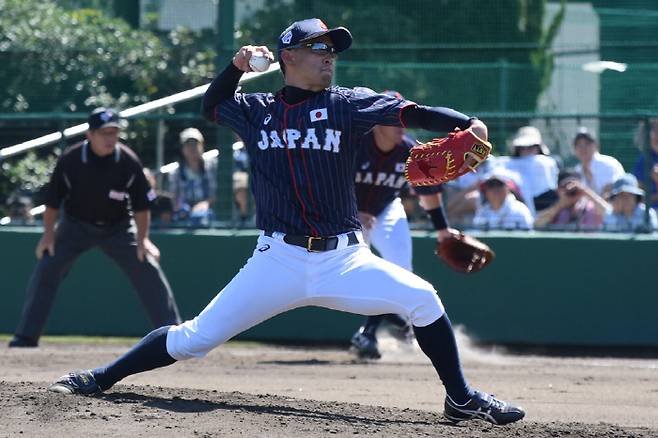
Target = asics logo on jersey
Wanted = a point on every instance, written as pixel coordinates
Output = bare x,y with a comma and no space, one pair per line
381,179
267,119
328,141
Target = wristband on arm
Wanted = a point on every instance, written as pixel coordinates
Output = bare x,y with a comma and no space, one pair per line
438,218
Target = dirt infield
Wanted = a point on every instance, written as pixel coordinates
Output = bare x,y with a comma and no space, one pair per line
260,390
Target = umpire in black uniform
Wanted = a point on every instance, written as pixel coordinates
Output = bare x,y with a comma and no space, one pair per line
99,182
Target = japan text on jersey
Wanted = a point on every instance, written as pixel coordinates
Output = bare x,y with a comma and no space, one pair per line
380,176
303,155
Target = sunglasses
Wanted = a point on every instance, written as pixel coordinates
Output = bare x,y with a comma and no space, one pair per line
316,47
494,183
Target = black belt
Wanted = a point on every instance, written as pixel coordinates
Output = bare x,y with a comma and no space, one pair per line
316,244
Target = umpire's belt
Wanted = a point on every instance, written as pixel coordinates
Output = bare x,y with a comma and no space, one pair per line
316,244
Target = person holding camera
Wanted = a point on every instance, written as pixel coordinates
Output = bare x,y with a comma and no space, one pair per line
578,207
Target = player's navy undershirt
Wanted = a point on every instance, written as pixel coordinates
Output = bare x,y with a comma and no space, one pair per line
303,145
380,175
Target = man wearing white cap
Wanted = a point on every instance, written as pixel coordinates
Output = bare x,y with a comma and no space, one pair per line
537,169
194,182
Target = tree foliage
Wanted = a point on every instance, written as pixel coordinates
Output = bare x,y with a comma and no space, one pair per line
430,31
73,60
27,175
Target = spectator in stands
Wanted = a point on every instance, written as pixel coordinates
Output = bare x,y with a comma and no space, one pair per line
18,209
628,210
194,182
599,170
500,208
538,170
241,180
650,184
162,207
578,207
462,196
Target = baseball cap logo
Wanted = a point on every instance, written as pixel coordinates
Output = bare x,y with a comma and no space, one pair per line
287,37
106,116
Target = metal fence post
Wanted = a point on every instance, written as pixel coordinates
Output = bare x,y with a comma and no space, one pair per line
648,166
503,97
161,129
225,51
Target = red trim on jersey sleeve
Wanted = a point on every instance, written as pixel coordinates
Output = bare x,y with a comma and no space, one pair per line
402,109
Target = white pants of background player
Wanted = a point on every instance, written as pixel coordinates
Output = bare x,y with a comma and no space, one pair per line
280,277
390,235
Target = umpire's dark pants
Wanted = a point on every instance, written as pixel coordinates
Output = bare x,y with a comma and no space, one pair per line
118,241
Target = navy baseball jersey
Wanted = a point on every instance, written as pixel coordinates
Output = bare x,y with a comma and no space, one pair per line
380,175
303,156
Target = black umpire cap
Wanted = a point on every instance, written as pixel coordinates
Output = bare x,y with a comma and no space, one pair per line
304,30
104,118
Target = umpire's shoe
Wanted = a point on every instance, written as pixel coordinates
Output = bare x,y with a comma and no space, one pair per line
76,382
484,407
19,341
365,345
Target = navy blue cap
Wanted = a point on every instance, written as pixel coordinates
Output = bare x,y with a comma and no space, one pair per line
393,93
104,118
301,31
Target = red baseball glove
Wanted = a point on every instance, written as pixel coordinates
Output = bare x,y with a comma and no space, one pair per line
464,253
444,159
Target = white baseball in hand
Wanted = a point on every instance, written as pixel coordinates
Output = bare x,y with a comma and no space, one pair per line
259,62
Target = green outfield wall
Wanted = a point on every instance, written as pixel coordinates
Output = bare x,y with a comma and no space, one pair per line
543,288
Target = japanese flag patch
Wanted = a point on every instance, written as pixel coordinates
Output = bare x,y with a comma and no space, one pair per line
318,114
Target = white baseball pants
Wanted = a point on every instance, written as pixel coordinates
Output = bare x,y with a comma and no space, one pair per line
280,277
390,235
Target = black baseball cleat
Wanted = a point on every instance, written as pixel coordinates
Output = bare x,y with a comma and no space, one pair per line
76,382
19,341
365,345
484,407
